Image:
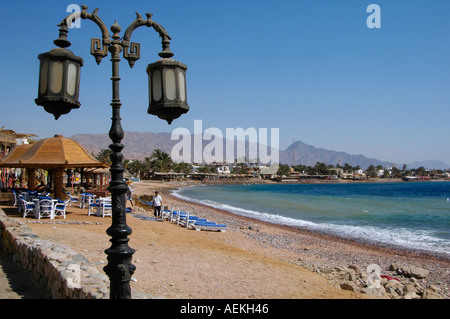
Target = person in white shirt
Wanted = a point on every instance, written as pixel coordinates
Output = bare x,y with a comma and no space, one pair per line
157,204
129,195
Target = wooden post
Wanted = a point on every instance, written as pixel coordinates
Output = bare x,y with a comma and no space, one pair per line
31,172
58,182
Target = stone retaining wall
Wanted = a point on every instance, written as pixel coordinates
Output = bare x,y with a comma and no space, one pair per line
6,197
58,270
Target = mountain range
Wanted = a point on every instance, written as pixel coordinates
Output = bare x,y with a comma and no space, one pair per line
139,145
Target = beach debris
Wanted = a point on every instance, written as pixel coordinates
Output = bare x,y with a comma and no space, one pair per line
389,277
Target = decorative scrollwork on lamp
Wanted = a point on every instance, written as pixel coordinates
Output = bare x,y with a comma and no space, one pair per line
97,51
133,54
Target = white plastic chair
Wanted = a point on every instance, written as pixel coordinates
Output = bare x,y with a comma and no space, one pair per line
86,200
46,209
106,208
16,199
81,201
20,205
29,208
167,213
92,205
73,199
60,208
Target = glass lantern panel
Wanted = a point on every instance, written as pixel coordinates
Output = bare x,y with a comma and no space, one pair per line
170,84
182,84
149,89
43,79
71,79
56,76
156,85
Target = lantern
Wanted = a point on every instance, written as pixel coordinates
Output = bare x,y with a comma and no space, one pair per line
59,81
167,89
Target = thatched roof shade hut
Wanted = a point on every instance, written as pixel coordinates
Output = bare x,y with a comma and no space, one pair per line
12,160
56,154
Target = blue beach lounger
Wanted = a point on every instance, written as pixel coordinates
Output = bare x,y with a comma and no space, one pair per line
207,225
187,219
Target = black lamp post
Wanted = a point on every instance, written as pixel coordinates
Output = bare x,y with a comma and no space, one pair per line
58,93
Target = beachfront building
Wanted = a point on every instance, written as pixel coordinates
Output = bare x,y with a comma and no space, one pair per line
268,172
7,142
218,168
9,139
359,174
337,171
222,168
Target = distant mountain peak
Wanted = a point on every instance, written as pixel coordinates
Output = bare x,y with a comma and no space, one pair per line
302,153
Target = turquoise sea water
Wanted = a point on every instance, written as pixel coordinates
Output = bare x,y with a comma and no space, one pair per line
409,214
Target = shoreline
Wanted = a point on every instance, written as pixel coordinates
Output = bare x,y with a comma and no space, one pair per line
398,249
383,247
314,249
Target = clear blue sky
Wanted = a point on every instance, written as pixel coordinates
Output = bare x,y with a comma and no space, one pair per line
311,68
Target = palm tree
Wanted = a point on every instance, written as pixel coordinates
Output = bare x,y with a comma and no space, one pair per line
161,161
182,167
283,169
136,168
104,156
321,169
348,168
146,167
371,171
421,171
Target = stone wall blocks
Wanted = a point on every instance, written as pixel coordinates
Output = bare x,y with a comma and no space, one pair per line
58,270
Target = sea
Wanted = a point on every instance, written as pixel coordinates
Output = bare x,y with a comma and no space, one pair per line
411,215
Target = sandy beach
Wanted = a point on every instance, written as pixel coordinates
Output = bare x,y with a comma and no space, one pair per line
252,259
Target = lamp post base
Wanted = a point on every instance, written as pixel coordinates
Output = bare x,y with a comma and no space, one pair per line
119,270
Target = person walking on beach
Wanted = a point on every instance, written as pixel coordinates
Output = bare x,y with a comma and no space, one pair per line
157,204
130,194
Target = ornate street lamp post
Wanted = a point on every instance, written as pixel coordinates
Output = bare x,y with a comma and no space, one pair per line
58,92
